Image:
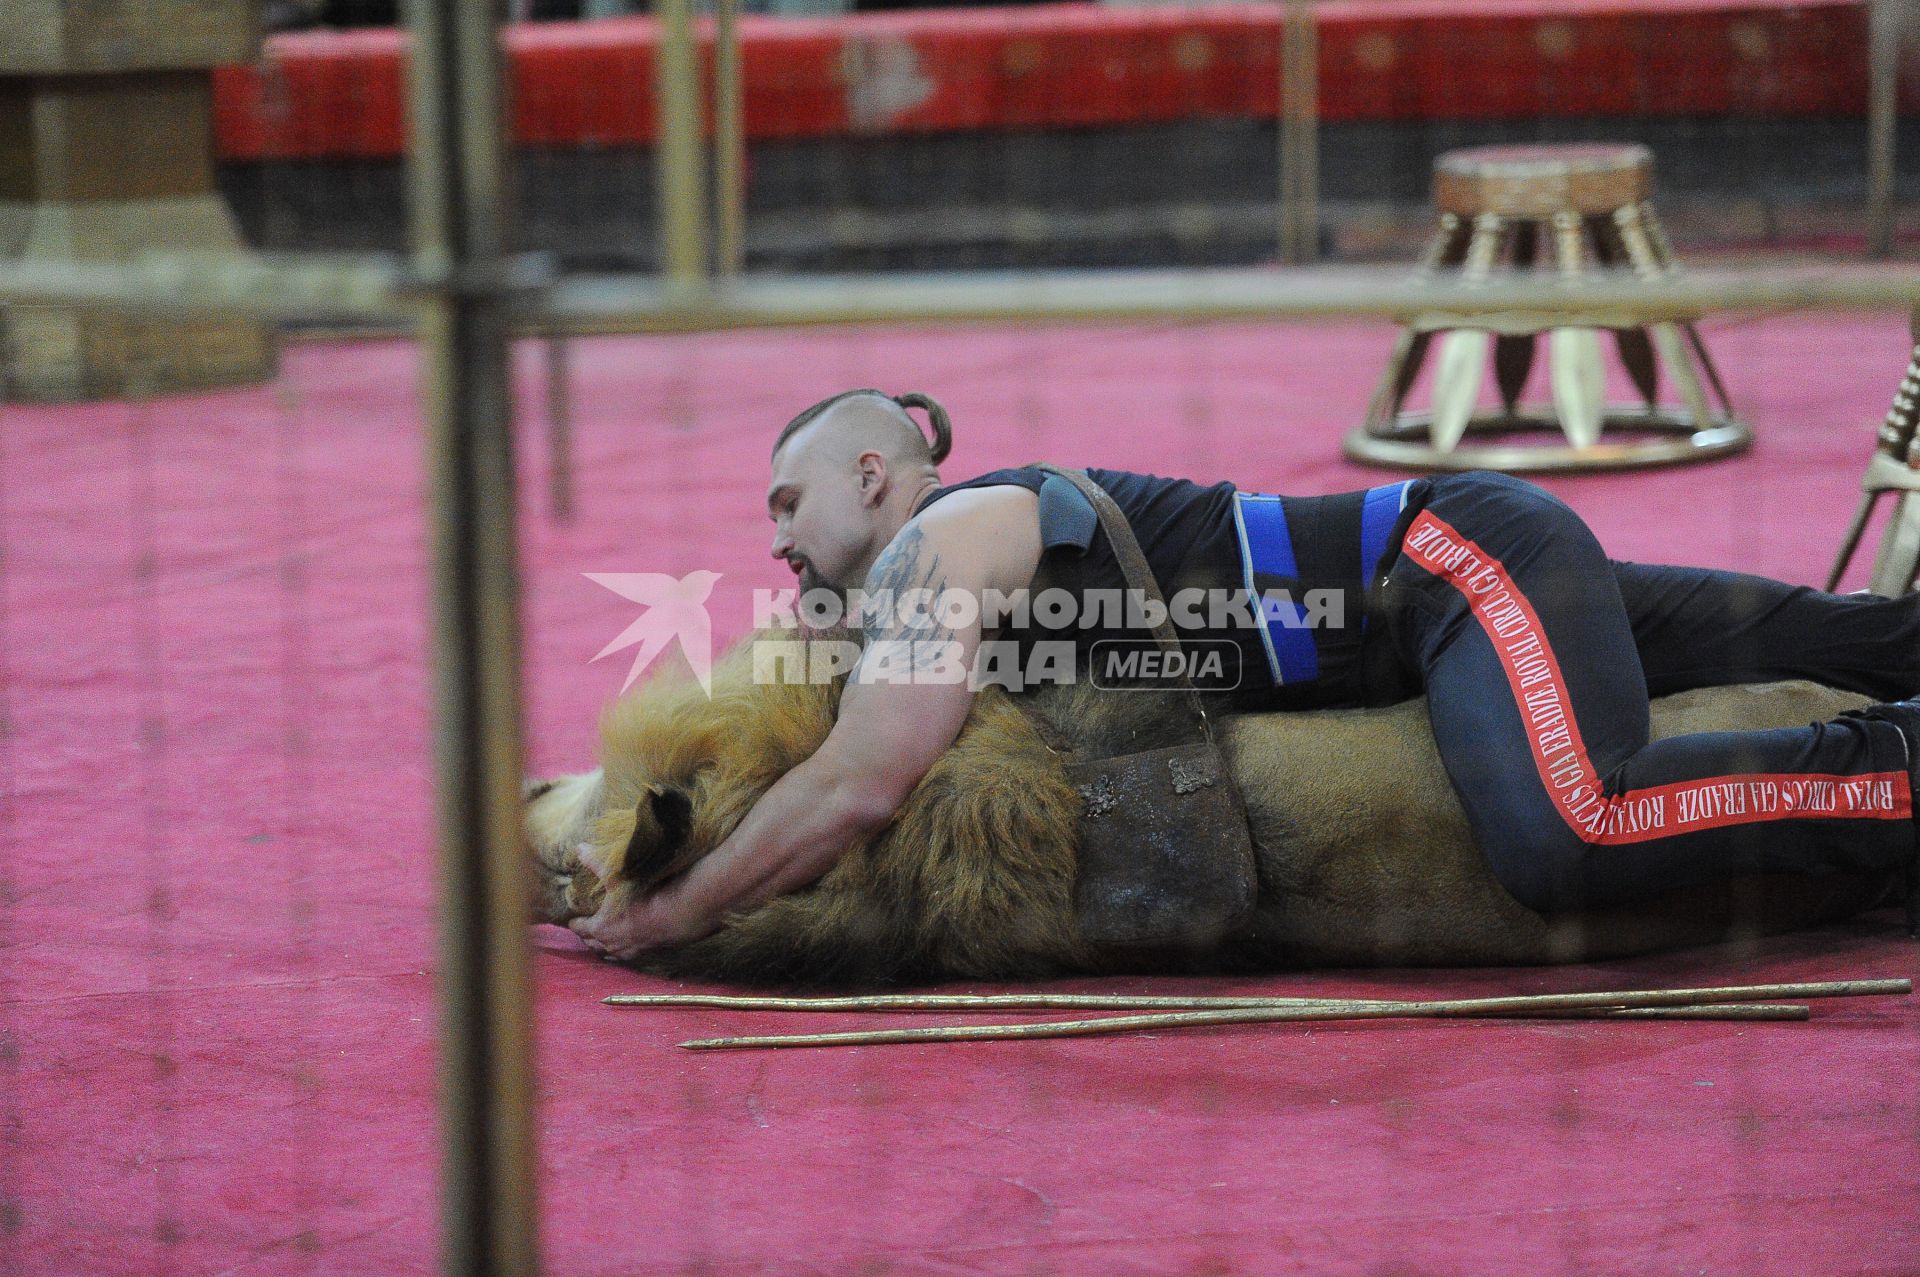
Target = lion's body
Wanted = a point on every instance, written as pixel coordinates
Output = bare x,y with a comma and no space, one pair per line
1364,853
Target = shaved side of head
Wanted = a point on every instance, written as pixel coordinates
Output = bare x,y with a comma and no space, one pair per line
857,421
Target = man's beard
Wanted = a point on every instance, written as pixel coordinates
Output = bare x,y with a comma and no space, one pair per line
811,580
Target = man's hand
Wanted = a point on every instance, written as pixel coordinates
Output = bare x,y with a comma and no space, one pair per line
790,837
628,925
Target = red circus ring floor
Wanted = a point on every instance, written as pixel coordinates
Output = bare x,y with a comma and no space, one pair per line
216,990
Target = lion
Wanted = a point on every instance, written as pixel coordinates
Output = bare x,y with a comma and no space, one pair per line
1364,857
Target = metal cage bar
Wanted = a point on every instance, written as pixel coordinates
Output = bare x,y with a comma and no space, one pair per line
1299,131
729,143
380,290
1886,21
680,159
457,163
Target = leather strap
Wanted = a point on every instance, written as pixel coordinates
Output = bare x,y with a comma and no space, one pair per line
1126,547
1134,567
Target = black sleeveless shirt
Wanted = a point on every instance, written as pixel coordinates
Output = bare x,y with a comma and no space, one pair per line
1191,541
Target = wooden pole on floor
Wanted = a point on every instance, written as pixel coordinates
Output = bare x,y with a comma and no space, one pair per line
1278,1011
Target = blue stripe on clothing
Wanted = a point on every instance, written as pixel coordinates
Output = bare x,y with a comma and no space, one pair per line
1377,517
1267,548
1378,514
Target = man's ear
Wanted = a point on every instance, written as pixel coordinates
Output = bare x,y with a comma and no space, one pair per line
873,477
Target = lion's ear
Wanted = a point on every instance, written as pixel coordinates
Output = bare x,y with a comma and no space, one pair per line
662,825
673,814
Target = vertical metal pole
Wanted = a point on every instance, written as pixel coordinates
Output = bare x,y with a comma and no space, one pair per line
682,206
459,231
1884,21
1299,133
729,142
559,427
1283,134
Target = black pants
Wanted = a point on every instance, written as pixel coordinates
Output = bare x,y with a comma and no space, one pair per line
1538,655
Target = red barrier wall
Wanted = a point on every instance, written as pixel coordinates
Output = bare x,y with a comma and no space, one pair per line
332,95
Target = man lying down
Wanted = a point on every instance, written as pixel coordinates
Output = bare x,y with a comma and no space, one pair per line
1537,655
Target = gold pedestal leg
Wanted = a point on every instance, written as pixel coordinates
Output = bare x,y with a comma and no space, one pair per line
1666,337
1579,373
1895,467
1897,567
1851,541
1446,248
1463,355
1636,348
1663,254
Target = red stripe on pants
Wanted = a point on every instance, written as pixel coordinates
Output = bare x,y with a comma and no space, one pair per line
1560,755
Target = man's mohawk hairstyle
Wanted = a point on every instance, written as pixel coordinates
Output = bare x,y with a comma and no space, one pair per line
938,448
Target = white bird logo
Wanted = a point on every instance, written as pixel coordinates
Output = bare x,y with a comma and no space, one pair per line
676,608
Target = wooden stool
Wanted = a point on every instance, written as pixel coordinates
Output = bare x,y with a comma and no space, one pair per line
1895,468
107,115
1497,204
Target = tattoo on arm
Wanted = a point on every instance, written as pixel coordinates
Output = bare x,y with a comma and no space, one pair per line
897,612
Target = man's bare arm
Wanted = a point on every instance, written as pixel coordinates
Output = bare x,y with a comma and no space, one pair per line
895,720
